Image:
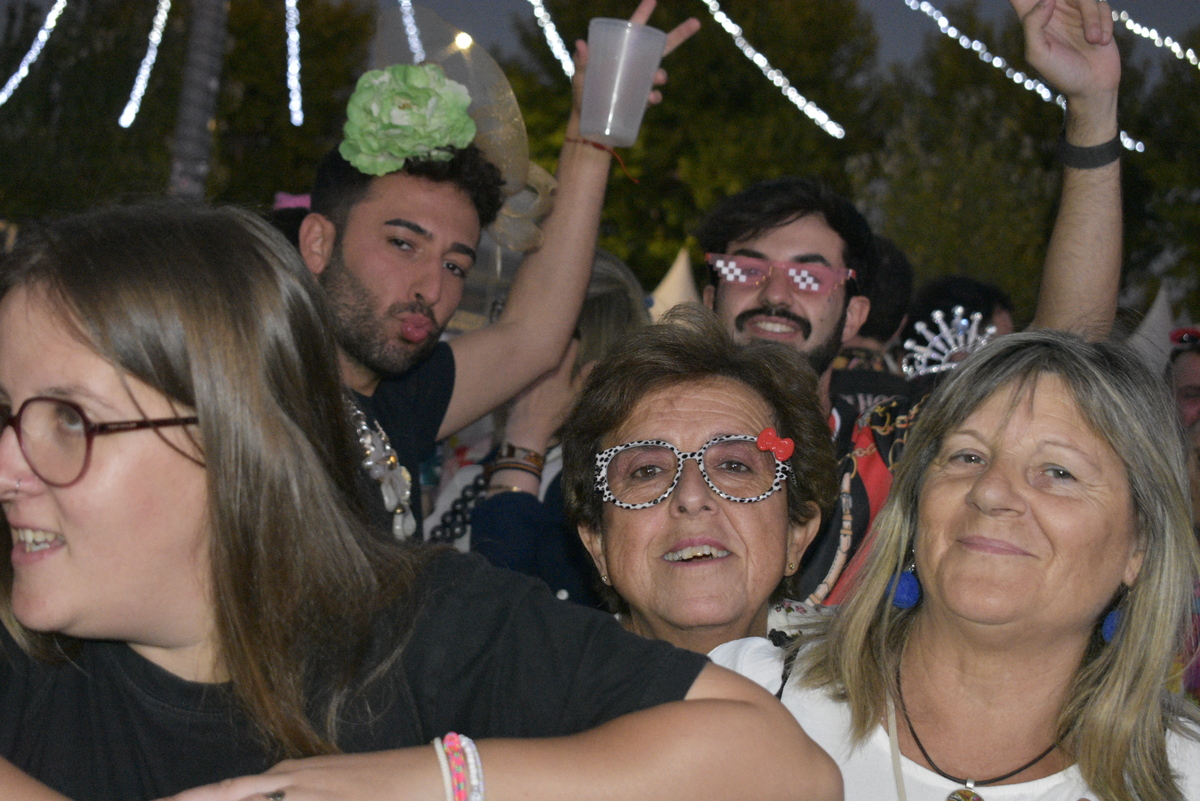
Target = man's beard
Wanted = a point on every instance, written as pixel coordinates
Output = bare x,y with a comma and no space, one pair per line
819,354
359,333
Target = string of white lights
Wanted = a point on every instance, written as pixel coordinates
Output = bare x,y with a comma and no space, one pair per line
810,109
295,99
143,75
35,50
1018,77
412,32
1158,40
552,38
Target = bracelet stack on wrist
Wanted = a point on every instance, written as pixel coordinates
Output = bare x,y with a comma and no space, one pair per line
1088,158
462,772
512,457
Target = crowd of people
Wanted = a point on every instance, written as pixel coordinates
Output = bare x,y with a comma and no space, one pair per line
222,583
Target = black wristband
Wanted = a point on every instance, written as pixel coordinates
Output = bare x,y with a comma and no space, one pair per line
1088,158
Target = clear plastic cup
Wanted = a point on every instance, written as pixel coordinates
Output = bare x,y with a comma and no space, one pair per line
622,59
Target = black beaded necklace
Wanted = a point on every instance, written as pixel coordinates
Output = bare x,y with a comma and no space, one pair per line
967,793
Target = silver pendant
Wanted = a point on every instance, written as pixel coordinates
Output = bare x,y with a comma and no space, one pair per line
382,464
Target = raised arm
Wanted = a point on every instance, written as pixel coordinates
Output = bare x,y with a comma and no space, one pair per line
494,363
729,739
1070,43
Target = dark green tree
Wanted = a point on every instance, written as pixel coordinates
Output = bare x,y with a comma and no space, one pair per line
723,125
61,148
1165,236
258,151
965,181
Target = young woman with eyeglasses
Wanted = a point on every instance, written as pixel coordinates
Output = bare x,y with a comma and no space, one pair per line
190,594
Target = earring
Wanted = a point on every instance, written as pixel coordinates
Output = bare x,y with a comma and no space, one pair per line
905,589
791,566
604,578
1108,629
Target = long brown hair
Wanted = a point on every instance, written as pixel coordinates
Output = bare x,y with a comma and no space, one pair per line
215,310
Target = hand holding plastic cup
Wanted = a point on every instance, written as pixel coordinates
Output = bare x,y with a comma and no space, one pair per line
622,59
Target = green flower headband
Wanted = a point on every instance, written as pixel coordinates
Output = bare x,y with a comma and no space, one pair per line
405,111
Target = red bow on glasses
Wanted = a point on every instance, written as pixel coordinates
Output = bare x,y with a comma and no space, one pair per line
782,447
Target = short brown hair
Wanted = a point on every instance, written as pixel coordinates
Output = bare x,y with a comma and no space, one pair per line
691,345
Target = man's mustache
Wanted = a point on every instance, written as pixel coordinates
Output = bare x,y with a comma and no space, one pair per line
773,311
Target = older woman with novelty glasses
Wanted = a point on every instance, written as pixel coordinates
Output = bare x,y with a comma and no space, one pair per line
1030,585
190,594
697,470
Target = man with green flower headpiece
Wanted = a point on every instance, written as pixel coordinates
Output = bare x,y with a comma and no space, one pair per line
396,217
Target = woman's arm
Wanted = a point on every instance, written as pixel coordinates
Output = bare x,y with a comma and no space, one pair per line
729,739
19,787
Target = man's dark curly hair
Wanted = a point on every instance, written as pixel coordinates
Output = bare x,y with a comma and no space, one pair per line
770,204
339,186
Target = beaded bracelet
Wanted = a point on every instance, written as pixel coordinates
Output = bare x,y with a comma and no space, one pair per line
441,755
462,771
474,767
458,766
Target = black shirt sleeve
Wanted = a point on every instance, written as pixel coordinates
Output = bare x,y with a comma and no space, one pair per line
494,654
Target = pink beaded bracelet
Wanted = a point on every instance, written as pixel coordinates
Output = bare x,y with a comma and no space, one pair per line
457,761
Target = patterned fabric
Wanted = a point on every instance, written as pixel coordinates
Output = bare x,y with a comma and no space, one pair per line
1189,661
869,450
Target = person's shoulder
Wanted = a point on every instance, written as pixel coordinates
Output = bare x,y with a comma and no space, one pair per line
756,658
1183,750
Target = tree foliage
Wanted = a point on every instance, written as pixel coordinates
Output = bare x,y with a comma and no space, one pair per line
722,125
1164,238
258,150
61,148
965,182
948,157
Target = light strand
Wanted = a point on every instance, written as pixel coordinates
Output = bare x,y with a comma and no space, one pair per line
35,50
412,32
1027,82
1156,39
552,38
295,98
143,74
810,109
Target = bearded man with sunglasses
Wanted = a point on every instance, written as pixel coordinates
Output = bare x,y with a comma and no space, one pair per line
790,261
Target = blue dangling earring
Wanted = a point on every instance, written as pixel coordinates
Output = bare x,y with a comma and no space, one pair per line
1108,629
906,589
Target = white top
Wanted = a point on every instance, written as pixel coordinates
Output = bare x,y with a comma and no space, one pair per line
867,770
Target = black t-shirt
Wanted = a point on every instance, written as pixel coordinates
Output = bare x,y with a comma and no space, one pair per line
410,407
491,654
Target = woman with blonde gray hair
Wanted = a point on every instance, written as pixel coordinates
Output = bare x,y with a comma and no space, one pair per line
1028,590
